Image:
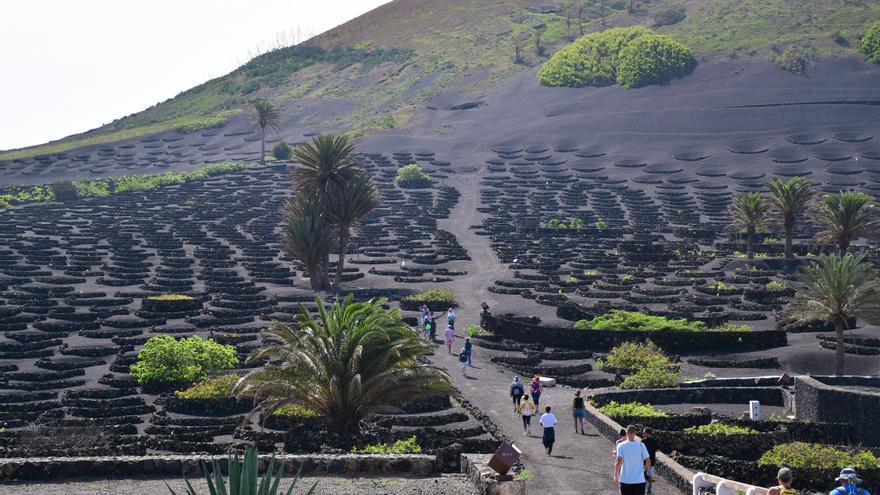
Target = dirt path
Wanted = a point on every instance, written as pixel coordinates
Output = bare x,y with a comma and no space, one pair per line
580,463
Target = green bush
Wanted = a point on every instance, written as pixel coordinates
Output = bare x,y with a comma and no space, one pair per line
590,60
412,177
870,43
636,355
637,409
669,15
717,428
524,475
192,125
165,359
629,320
282,151
652,59
433,295
97,188
295,410
655,375
813,455
210,388
408,446
473,330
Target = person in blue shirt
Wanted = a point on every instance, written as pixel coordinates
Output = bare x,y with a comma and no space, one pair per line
849,483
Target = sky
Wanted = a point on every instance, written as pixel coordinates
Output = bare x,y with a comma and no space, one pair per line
70,66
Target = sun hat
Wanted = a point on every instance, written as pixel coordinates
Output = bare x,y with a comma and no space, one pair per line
848,474
785,474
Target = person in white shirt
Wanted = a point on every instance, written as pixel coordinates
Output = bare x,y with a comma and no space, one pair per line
632,461
548,421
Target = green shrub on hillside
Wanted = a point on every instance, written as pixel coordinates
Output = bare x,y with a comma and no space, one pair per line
192,125
635,355
655,375
813,455
97,188
165,359
412,177
408,446
282,151
295,411
669,15
870,44
792,60
590,60
630,320
433,295
652,59
717,428
210,388
637,409
631,57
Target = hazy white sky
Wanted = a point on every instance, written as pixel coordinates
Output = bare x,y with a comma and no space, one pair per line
69,66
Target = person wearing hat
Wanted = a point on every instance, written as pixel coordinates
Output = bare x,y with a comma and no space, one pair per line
849,483
784,477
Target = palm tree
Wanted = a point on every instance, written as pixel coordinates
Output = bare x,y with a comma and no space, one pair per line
355,357
836,290
327,163
749,211
845,217
354,200
790,198
265,116
308,237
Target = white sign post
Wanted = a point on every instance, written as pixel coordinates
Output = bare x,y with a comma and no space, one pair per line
754,410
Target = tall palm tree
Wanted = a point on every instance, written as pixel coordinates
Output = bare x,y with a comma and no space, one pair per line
749,211
355,357
790,198
308,237
327,163
266,117
845,217
836,290
354,200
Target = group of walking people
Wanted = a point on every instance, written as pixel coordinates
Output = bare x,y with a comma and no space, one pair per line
848,480
529,404
428,322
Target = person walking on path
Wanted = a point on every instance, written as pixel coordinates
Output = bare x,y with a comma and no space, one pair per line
632,461
432,336
526,410
450,318
536,390
652,445
428,328
548,421
849,483
424,311
578,411
785,478
516,393
469,348
462,362
450,338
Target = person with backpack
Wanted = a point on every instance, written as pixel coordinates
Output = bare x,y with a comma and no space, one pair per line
526,410
433,334
462,362
849,483
578,411
536,389
516,392
450,318
423,316
785,478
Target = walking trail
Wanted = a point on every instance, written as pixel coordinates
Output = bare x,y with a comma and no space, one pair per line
580,464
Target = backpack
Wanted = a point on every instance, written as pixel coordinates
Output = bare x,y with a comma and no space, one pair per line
517,389
462,358
840,491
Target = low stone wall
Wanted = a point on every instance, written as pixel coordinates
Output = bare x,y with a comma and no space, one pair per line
821,402
176,465
476,467
522,331
698,395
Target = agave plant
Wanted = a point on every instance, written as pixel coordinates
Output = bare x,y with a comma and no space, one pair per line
244,478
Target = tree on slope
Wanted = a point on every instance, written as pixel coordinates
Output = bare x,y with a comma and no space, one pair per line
344,364
845,217
790,198
835,290
308,236
354,200
265,116
749,212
